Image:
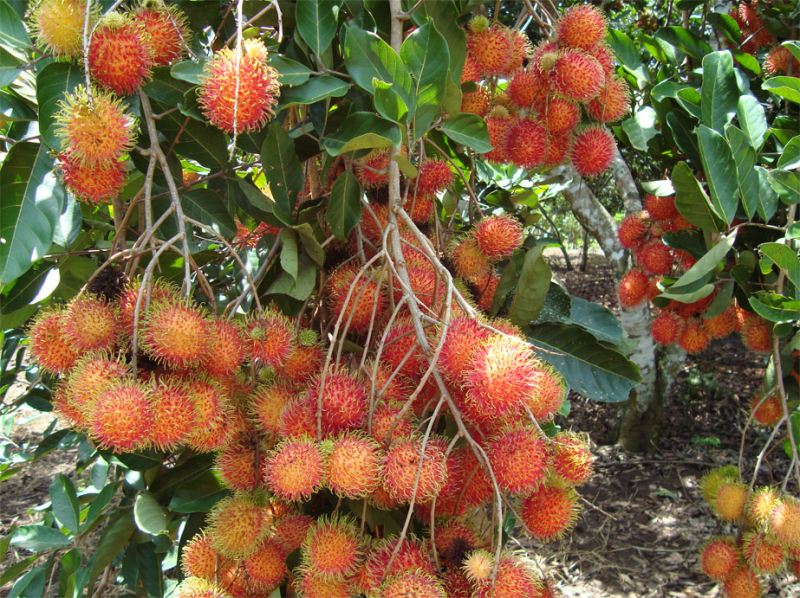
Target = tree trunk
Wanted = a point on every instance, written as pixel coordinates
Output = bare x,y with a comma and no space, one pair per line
584,249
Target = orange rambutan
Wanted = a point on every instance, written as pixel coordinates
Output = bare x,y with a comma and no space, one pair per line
520,49
478,487
560,115
355,462
169,33
126,302
423,282
491,49
719,557
693,338
291,530
269,338
176,334
302,363
660,208
557,151
298,418
401,340
58,26
344,400
388,423
196,587
367,299
571,458
525,88
120,54
90,376
227,351
372,171
498,236
265,406
434,176
381,499
240,464
213,409
237,525
611,103
412,583
549,512
784,522
411,556
311,585
476,102
760,504
421,208
742,583
499,126
655,257
526,144
632,232
471,70
514,580
723,324
173,412
90,324
332,548
199,558
666,327
757,335
463,335
295,469
94,184
266,567
633,288
778,60
404,458
763,553
121,418
548,395
519,458
730,501
767,412
50,347
582,26
592,151
258,88
577,75
468,260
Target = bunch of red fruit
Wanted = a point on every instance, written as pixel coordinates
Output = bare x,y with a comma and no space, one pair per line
536,120
768,540
690,325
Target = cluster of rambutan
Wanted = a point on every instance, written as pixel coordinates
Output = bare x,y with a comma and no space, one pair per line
250,238
690,325
768,541
537,120
754,34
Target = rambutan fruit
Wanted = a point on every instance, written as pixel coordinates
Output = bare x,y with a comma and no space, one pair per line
388,423
213,410
632,232
611,103
655,258
333,548
549,512
90,324
121,418
592,152
412,583
714,479
199,558
723,324
468,260
373,169
499,126
633,288
344,400
298,418
401,340
471,71
777,61
237,464
126,302
476,102
666,327
266,403
423,282
577,75
742,583
355,462
381,499
491,49
302,363
291,530
560,115
176,334
93,184
90,376
760,504
173,412
454,540
526,144
94,131
266,567
654,291
767,412
120,54
421,208
757,335
478,566
227,351
196,587
269,338
311,585
237,525
730,501
58,26
456,584
660,208
784,522
411,556
544,57
582,26
167,28
404,459
434,176
719,557
525,88
498,236
520,49
548,395
519,459
463,334
366,297
295,469
514,580
571,458
693,338
763,553
258,88
557,150
50,347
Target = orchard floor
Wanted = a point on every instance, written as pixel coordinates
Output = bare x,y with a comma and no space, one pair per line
643,518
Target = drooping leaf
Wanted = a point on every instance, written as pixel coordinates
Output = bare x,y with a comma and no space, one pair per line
282,168
686,41
206,206
470,130
289,257
727,26
53,82
785,258
299,288
692,202
627,54
65,502
758,197
189,71
426,55
682,128
199,494
314,90
148,514
100,502
344,205
597,319
720,170
529,295
316,24
775,307
362,130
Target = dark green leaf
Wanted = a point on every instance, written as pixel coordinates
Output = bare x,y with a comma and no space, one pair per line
557,306
316,24
508,280
628,54
9,70
426,55
314,90
181,474
719,90
112,540
720,170
786,184
188,71
290,72
164,88
52,83
282,168
149,515
790,157
362,130
14,109
33,200
641,128
721,301
300,288
289,257
597,319
198,141
684,40
758,197
36,284
725,24
692,202
786,87
65,502
207,207
682,128
590,368
38,538
752,120
344,205
199,494
688,294
100,502
707,263
388,104
785,258
13,35
32,583
534,279
470,130
445,15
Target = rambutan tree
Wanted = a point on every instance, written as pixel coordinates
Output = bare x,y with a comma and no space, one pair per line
272,265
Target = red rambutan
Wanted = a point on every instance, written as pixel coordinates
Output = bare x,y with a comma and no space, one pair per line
632,230
344,400
633,288
376,160
514,580
519,458
121,418
549,512
332,548
476,102
666,327
302,363
94,184
227,352
719,557
366,296
526,144
404,459
291,530
168,31
660,208
767,412
90,324
176,334
49,344
723,324
311,585
784,522
213,410
434,176
266,403
612,102
693,338
560,115
498,236
763,553
354,465
120,54
298,418
558,147
777,61
237,525
525,88
655,257
582,26
237,465
742,583
270,338
266,567
199,558
388,424
469,261
592,151
757,335
173,414
412,583
499,126
295,469
491,49
577,75
548,395
401,340
571,459
463,335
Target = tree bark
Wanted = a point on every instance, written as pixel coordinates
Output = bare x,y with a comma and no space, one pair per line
584,249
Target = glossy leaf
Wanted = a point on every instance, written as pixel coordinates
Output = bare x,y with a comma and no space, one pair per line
786,87
641,128
785,258
774,307
719,90
38,538
628,54
113,539
707,263
758,197
299,288
531,289
289,257
206,206
290,72
752,120
344,205
316,24
13,34
445,15
65,502
725,24
282,168
362,130
597,319
164,88
692,202
33,286
188,70
790,157
686,41
198,141
314,90
470,130
720,170
100,502
149,515
786,184
426,55
53,82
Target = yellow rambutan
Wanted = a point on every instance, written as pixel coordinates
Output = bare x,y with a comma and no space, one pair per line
237,525
120,54
269,338
90,324
405,458
355,462
763,553
479,565
550,511
719,557
196,587
519,458
49,344
582,26
571,458
760,505
311,585
713,480
176,334
266,567
58,26
169,33
121,417
174,414
332,548
295,469
258,88
784,522
730,501
742,583
199,558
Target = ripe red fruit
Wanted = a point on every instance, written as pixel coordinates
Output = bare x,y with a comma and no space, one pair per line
491,49
94,184
237,525
237,465
411,556
454,540
298,418
742,583
266,568
498,236
376,160
266,403
767,412
499,126
582,26
560,115
577,75
514,580
332,548
719,557
756,335
120,54
548,395
693,338
58,26
176,334
571,458
633,288
270,338
592,151
50,347
612,102
90,376
402,463
526,144
722,325
199,559
90,324
666,327
434,176
549,512
476,102
471,70
387,420
344,400
121,418
291,530
366,297
632,232
355,462
660,208
257,90
519,458
227,351
655,257
478,487
173,414
311,585
302,363
525,88
213,408
763,553
167,29
401,340
777,61
412,583
468,260
463,334
295,469
558,147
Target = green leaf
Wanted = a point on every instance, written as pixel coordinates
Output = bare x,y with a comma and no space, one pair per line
181,474
199,494
32,583
692,202
794,48
426,55
15,570
38,538
198,141
785,258
790,157
13,35
720,170
188,71
113,539
508,280
786,87
14,109
388,104
65,502
9,70
344,205
149,515
746,60
289,257
725,24
445,15
597,319
314,90
667,89
529,295
52,83
206,206
33,200
164,88
590,368
774,307
686,41
368,57
719,90
282,168
32,287
707,263
641,128
721,301
100,502
752,120
628,54
470,130
785,183
682,128
316,24
362,130
299,288
758,197
690,99
405,165
290,72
